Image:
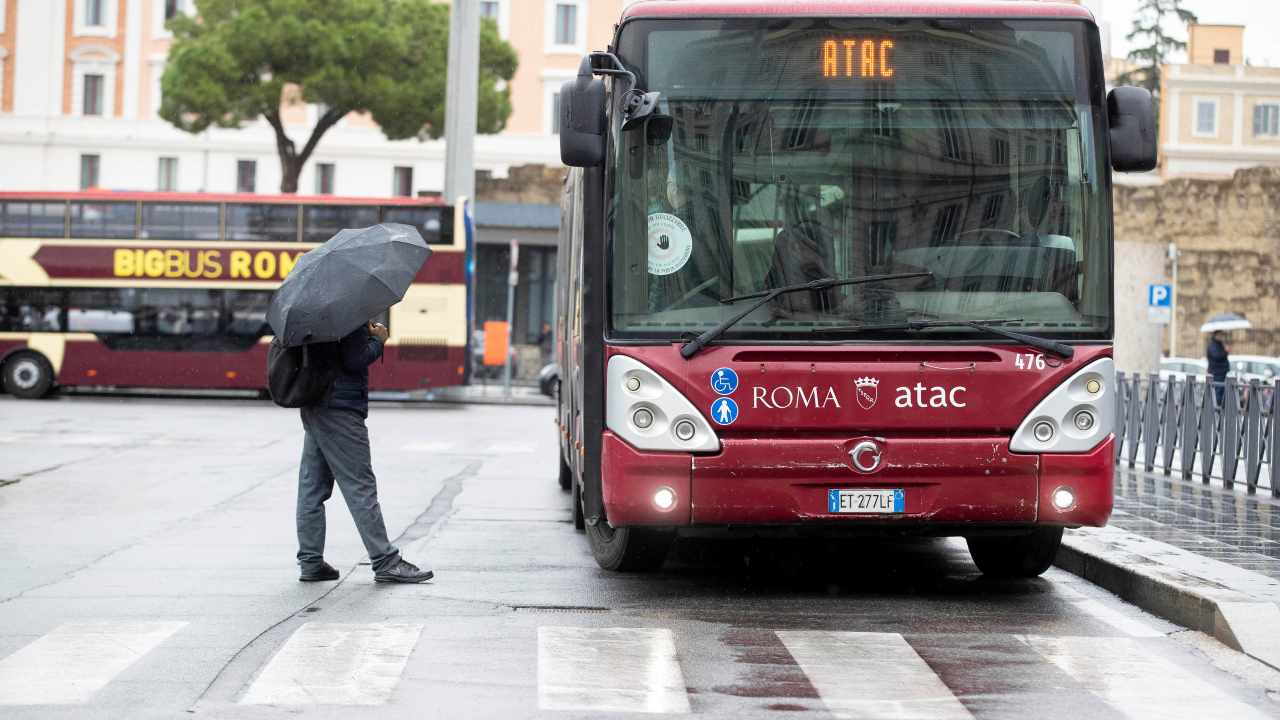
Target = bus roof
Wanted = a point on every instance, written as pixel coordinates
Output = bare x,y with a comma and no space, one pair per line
857,8
180,197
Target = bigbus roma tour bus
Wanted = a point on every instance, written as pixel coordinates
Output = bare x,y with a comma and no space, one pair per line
170,290
838,267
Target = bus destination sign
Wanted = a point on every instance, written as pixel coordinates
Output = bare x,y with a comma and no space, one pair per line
869,58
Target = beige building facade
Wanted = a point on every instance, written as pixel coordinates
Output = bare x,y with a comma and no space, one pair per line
80,93
1218,115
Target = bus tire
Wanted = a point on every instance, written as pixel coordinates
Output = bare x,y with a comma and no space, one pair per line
1018,556
27,374
628,549
579,515
566,475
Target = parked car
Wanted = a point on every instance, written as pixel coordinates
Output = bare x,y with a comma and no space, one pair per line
1181,367
1247,367
549,379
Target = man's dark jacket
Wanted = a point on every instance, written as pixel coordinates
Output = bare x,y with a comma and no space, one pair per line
1218,362
357,351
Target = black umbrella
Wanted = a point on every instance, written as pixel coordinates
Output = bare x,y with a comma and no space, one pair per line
339,286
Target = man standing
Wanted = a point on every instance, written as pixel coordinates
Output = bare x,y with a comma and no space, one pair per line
337,447
1219,363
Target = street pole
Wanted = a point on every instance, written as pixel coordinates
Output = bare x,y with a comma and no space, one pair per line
1173,303
461,90
513,279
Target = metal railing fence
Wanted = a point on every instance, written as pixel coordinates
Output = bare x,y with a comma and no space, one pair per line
1200,428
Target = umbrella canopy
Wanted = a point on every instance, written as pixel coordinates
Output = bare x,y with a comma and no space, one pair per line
338,286
1225,321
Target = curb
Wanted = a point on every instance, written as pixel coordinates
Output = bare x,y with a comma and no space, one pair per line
1236,619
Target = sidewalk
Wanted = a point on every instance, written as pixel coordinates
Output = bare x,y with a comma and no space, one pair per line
1198,555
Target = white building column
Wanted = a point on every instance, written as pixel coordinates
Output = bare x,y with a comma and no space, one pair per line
132,57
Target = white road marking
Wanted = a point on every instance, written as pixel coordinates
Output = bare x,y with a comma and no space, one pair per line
610,670
1125,624
336,664
512,448
871,675
75,660
1138,684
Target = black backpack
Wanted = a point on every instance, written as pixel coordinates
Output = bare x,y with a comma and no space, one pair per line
300,376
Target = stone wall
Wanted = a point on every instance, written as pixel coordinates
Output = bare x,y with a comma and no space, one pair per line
1228,233
539,184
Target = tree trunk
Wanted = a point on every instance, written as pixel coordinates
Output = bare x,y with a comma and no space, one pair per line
290,169
292,161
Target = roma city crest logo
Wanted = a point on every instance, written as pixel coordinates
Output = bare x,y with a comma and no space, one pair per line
868,391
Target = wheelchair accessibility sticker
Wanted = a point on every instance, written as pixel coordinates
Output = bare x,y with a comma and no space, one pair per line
724,411
724,381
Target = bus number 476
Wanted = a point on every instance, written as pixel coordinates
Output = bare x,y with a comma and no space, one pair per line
1028,361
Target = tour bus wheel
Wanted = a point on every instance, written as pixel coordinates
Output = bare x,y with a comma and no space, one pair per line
28,374
566,474
628,549
1016,556
579,517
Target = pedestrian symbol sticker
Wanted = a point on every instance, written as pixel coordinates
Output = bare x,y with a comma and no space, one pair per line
724,381
724,411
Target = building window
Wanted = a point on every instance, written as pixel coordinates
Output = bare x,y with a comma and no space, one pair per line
1266,119
945,225
566,25
91,104
991,210
246,176
324,178
172,8
1221,57
881,237
94,13
1206,118
167,174
489,9
999,151
95,17
402,182
89,171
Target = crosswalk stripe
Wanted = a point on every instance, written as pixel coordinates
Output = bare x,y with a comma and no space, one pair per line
75,660
876,676
1136,682
610,670
336,664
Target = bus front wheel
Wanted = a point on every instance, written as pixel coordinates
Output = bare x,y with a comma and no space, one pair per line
628,549
28,375
1017,556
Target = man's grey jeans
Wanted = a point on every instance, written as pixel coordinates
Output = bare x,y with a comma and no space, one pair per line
337,447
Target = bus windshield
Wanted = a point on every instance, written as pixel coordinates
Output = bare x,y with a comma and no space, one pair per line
790,150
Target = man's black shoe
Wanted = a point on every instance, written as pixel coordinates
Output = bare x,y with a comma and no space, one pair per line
403,572
323,572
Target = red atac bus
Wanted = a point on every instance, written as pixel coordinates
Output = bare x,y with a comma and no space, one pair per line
842,266
170,290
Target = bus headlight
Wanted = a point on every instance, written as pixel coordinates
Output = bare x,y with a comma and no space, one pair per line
648,412
1075,416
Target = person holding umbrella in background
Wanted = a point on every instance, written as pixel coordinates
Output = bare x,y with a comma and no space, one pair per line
329,296
1216,351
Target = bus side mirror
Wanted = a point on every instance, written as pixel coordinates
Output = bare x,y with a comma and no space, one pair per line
582,123
1132,129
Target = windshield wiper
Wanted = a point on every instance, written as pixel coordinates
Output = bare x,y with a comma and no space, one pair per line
691,348
1062,350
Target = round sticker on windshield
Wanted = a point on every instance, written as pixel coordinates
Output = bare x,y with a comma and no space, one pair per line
670,243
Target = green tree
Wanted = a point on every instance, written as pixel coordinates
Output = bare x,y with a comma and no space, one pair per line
1153,44
232,62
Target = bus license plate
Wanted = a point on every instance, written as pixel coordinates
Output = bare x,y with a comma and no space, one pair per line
866,501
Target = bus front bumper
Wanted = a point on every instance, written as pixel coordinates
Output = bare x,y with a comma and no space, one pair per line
967,482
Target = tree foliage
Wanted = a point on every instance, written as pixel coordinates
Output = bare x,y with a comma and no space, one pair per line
231,63
1154,44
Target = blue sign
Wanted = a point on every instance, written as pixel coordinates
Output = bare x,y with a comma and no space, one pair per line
724,411
1159,295
724,381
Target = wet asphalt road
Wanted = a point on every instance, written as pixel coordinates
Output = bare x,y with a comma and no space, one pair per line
146,570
